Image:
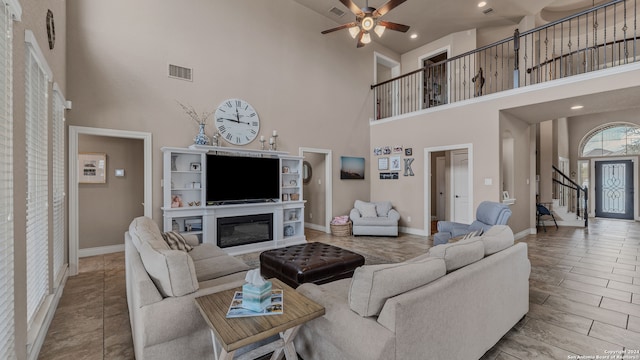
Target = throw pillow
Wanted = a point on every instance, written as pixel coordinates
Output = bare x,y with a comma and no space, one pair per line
472,234
372,285
368,210
498,238
176,241
383,208
459,254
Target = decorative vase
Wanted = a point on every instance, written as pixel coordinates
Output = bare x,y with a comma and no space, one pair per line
201,138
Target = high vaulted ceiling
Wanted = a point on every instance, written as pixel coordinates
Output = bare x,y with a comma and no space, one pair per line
431,20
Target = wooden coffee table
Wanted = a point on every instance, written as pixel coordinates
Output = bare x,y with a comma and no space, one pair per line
235,333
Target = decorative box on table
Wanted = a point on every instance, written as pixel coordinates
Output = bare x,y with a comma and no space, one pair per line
256,298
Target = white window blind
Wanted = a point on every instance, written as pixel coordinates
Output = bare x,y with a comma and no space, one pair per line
58,184
7,329
36,84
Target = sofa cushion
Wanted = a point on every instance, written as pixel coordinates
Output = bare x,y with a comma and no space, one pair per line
459,254
375,221
176,241
143,229
372,285
498,238
172,271
383,208
215,267
367,210
205,251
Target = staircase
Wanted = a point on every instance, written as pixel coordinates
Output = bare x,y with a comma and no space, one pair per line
564,216
568,203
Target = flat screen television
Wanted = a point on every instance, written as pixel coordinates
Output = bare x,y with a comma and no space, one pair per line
242,179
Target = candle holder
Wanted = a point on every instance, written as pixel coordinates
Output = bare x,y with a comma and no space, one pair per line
262,141
215,139
274,146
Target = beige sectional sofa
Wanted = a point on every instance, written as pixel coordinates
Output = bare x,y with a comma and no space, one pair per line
454,302
161,287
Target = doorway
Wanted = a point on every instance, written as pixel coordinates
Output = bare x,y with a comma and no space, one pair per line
74,134
436,79
440,176
460,186
387,104
317,190
614,189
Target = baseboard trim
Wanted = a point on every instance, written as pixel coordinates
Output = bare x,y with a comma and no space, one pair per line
412,231
523,233
100,250
316,227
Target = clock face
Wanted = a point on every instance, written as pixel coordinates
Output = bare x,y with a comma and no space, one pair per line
237,121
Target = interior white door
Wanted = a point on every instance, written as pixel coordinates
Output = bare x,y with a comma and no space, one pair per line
441,190
460,180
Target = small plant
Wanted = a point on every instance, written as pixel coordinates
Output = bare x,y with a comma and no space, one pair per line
201,119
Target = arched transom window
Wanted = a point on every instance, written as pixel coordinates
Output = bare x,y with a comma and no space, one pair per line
616,139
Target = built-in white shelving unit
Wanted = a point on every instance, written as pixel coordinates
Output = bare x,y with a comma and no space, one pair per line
185,176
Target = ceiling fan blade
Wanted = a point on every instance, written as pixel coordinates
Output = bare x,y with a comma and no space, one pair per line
387,7
353,7
345,26
360,43
393,26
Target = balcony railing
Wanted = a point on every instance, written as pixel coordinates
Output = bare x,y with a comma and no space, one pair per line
601,37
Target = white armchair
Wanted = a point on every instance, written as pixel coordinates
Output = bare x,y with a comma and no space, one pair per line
374,218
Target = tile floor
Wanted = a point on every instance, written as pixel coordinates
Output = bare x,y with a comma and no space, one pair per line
584,296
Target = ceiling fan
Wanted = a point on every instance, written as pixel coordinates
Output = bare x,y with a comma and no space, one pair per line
367,19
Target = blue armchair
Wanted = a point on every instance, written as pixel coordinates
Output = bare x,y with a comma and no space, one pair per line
488,214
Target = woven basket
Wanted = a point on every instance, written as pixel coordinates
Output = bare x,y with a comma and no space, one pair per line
341,230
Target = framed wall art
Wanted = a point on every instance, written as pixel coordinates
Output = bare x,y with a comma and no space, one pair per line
92,168
383,163
395,163
351,168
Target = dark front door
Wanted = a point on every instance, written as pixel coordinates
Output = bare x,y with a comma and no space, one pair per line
614,189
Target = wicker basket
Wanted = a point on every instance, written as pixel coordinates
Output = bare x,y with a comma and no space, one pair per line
341,230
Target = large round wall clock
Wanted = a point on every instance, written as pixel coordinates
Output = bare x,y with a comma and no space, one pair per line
237,121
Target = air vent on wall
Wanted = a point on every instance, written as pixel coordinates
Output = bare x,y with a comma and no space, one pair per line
337,12
487,11
180,72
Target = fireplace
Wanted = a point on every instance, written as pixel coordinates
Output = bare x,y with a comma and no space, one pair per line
242,230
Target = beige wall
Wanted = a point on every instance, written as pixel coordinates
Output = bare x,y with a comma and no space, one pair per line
562,143
524,183
458,43
314,89
546,158
106,210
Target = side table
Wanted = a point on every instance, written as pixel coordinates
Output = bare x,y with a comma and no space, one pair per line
235,333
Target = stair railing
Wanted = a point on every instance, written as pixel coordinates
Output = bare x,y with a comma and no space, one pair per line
576,201
600,37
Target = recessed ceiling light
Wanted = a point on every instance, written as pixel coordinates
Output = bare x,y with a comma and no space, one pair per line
413,36
482,4
577,107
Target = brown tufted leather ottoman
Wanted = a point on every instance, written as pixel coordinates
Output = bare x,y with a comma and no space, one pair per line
314,262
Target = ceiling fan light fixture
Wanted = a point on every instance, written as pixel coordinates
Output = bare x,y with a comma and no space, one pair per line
354,31
379,30
367,23
366,38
